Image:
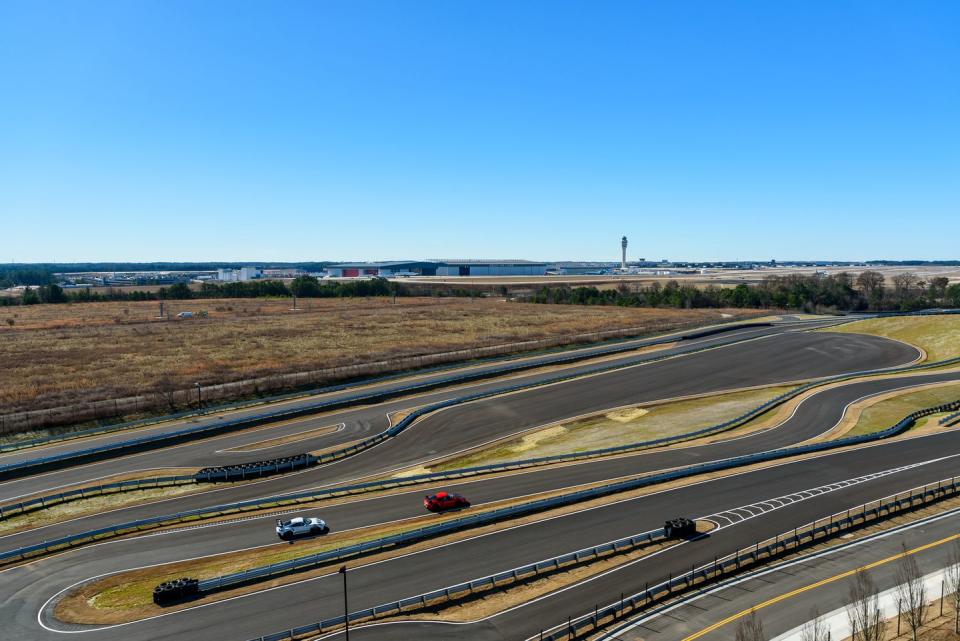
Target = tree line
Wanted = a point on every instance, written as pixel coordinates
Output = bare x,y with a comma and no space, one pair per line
868,291
302,286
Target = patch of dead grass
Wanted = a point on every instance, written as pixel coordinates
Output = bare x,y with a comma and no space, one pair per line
59,354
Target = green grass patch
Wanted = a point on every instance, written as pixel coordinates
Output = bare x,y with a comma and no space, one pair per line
92,505
888,412
939,336
620,427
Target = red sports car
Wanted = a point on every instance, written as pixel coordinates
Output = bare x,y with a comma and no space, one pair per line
444,501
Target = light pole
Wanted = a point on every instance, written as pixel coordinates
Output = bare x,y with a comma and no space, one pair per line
346,608
199,398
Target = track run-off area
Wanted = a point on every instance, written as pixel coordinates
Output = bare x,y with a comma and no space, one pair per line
747,505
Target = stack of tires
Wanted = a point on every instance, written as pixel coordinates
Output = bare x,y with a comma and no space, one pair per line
255,468
176,590
679,528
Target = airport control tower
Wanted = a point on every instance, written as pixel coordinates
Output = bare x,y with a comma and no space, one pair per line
623,258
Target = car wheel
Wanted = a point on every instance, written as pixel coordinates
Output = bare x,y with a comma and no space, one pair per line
466,504
286,536
316,530
326,529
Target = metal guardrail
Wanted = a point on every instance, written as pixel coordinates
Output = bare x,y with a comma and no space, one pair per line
501,514
487,583
254,504
616,346
770,549
49,500
815,532
232,473
949,421
223,407
68,459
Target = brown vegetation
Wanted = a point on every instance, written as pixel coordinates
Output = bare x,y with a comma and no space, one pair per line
56,355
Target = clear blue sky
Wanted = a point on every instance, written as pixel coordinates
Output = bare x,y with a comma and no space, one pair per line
205,130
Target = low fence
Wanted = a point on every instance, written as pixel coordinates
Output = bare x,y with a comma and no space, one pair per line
68,459
715,569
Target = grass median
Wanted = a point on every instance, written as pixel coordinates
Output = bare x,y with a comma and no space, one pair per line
880,412
621,426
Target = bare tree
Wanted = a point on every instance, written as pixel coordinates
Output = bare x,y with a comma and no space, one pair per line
952,577
166,390
863,611
911,593
750,628
870,282
905,285
815,629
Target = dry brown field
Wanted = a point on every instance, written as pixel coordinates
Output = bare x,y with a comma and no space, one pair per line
55,355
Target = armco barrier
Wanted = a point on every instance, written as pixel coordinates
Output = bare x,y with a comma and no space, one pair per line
41,502
415,367
949,421
107,429
69,459
484,584
84,537
762,551
615,346
493,516
246,471
815,532
239,472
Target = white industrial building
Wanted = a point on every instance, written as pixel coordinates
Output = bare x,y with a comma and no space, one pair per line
235,275
440,268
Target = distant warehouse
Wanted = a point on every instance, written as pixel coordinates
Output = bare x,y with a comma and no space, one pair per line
490,268
440,268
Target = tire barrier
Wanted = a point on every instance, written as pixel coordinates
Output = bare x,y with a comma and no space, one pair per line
112,450
243,471
679,528
714,570
175,591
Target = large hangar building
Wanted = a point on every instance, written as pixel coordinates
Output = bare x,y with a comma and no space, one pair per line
439,268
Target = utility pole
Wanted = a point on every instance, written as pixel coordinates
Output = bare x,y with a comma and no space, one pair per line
346,608
199,398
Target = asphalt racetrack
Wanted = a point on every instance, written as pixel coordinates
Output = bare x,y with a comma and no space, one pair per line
759,356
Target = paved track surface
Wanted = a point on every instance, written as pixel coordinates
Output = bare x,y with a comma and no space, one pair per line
358,422
775,357
753,362
697,616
